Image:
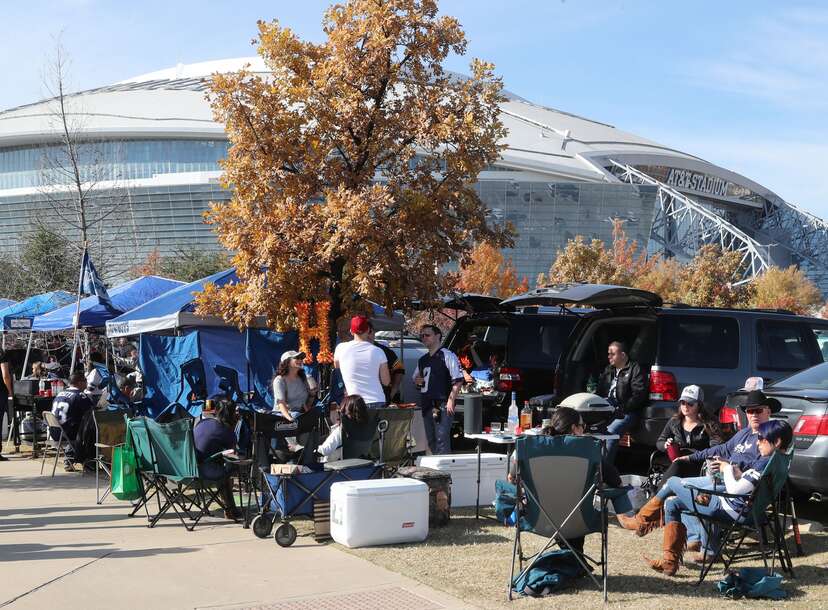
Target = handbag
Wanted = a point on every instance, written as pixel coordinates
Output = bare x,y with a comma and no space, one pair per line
124,483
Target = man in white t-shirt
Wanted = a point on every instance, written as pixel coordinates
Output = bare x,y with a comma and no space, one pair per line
363,365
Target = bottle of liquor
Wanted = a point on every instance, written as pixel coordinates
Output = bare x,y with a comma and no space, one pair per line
512,419
526,416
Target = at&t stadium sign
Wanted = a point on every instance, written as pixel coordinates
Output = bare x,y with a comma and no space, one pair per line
698,182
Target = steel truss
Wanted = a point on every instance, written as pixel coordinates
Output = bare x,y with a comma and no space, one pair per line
681,226
802,234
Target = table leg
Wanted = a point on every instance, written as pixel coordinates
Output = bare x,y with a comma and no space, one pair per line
34,434
477,500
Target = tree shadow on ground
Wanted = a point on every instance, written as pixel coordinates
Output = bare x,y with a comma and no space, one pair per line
47,552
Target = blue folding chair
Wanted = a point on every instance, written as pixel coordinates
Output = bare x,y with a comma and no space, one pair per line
559,479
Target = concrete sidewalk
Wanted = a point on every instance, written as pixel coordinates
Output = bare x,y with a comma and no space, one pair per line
59,549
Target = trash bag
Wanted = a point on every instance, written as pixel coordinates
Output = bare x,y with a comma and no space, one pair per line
752,583
551,573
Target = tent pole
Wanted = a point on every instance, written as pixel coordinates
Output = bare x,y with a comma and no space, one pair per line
28,351
402,356
77,312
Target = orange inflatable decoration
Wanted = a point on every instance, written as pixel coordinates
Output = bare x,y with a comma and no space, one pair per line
321,331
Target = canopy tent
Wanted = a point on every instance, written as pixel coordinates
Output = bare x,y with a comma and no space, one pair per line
175,310
6,303
94,314
20,315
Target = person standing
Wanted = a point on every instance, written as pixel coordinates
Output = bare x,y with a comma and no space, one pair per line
6,392
363,365
622,384
439,377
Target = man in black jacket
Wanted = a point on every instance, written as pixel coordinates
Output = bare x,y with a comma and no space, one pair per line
623,384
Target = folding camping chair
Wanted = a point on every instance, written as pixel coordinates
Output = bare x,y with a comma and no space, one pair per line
52,423
385,438
759,515
229,384
110,432
170,451
558,479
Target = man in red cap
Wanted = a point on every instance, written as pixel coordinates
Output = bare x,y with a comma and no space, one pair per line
363,365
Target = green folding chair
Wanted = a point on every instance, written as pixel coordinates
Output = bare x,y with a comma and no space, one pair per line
561,496
759,517
175,476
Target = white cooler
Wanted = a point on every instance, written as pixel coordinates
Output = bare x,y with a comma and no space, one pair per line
463,469
380,511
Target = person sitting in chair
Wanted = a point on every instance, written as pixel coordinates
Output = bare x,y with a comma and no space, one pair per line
772,436
69,407
352,407
212,436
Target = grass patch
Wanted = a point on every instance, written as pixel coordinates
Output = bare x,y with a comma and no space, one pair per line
470,560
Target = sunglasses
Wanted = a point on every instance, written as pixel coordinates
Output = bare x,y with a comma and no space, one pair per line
756,411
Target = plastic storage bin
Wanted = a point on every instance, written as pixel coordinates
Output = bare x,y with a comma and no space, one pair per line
463,469
385,511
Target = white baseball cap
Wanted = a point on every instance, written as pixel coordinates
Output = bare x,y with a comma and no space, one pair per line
292,354
692,394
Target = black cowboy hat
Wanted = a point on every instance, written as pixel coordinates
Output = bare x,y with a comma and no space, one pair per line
757,398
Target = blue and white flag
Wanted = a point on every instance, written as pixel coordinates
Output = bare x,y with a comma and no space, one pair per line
90,282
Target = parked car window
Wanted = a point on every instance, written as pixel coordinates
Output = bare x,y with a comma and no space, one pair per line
821,334
786,346
538,344
699,342
814,378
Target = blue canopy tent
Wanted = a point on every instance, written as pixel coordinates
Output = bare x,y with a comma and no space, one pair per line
19,316
6,303
94,314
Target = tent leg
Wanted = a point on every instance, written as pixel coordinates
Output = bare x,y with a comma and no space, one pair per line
28,351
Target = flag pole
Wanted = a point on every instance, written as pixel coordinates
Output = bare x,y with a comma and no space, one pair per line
76,321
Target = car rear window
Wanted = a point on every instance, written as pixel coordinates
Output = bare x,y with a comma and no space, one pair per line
699,342
537,341
814,378
786,346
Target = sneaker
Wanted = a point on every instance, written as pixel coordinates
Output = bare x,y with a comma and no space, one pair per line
68,466
3,458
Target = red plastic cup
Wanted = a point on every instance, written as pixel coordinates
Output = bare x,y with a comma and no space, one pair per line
673,452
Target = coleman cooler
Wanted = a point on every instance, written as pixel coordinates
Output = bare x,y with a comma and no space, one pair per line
379,511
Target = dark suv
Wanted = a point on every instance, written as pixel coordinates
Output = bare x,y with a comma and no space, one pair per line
677,345
529,342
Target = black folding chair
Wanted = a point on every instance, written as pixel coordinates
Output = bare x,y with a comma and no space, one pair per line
758,517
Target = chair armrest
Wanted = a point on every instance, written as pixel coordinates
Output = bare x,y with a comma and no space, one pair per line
105,446
715,492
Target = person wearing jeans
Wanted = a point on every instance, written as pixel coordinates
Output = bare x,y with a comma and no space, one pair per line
439,377
622,383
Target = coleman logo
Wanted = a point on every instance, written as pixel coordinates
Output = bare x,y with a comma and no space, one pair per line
407,524
701,183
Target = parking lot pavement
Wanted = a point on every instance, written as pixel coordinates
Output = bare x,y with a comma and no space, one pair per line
59,549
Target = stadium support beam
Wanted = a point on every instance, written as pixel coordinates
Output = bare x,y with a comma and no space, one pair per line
681,226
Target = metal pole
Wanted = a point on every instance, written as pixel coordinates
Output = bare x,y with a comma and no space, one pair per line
28,351
76,321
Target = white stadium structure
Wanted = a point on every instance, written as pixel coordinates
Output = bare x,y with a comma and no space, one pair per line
561,175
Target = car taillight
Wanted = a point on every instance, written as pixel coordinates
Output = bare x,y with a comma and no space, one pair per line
508,380
663,386
730,416
812,425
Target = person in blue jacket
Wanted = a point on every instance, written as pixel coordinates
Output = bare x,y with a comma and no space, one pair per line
742,450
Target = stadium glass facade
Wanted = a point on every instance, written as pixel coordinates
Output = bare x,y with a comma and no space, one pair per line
169,218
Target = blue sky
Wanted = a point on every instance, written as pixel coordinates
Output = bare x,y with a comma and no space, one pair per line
743,84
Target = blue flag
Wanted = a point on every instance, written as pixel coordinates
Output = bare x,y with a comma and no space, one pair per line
91,283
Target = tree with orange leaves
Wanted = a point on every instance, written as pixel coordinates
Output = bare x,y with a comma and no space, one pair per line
489,272
353,163
787,289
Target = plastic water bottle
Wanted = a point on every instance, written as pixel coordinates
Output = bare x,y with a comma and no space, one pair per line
512,420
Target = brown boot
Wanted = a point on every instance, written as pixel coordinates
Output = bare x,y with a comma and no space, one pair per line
647,519
675,537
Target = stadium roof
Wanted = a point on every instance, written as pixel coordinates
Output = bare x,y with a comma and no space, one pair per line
171,103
